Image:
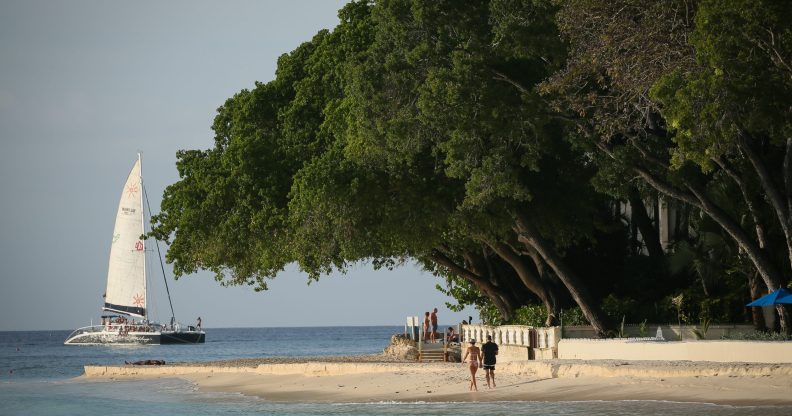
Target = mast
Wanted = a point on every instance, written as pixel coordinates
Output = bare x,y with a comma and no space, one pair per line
143,232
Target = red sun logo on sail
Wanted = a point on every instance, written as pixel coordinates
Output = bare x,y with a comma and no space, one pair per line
131,191
139,246
137,300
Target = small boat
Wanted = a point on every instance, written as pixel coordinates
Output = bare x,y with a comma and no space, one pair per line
126,296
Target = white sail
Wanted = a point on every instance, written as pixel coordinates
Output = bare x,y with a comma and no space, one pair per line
126,274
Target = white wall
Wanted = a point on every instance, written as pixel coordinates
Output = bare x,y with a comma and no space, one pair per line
718,351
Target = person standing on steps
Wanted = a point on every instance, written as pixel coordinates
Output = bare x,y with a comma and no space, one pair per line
488,351
433,319
427,331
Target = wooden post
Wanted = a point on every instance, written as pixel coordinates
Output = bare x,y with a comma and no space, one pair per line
420,343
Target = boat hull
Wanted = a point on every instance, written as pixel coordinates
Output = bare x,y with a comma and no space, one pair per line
186,337
98,335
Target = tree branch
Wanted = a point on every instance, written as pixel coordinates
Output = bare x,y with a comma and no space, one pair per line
726,167
500,76
788,176
766,179
480,282
698,198
770,188
528,234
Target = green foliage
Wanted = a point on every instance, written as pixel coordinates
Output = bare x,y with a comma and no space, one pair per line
423,128
677,302
464,293
573,316
617,308
742,83
490,315
642,332
531,315
232,212
701,332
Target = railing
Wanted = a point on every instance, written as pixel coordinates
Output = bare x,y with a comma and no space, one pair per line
92,328
519,340
516,335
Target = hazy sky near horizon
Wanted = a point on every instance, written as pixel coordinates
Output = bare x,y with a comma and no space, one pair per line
84,86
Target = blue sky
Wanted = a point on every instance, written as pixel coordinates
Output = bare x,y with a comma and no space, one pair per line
84,86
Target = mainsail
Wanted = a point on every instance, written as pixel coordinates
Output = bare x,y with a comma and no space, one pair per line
126,275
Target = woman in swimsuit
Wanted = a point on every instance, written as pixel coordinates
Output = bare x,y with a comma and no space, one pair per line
427,331
475,362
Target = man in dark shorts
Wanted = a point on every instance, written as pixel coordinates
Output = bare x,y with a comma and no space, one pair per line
488,351
433,319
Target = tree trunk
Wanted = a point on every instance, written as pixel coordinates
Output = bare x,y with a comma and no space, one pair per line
529,279
749,200
530,236
779,201
755,287
651,237
488,289
767,270
550,283
507,284
783,314
696,197
770,274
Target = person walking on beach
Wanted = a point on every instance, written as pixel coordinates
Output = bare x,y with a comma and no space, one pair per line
488,351
427,322
475,362
433,319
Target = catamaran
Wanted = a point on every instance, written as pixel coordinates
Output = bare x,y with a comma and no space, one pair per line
126,296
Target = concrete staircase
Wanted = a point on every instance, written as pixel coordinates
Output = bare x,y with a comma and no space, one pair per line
437,353
431,356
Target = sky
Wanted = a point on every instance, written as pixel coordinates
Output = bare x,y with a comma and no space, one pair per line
85,86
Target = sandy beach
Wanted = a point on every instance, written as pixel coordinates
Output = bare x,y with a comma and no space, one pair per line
379,379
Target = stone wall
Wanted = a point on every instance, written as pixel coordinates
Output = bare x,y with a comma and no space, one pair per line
716,350
509,353
518,343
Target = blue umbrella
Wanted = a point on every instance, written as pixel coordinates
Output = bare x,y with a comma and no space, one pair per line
781,295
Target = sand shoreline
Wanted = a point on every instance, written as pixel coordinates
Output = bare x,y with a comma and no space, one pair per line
377,378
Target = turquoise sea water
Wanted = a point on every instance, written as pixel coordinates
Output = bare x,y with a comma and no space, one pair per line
38,378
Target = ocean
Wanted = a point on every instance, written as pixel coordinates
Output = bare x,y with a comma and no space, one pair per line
38,378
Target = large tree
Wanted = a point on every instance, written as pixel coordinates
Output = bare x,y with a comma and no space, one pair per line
471,137
399,135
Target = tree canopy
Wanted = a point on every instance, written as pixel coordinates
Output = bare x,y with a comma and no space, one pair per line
497,143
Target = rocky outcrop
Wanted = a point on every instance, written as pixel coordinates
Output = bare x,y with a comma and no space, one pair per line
402,348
